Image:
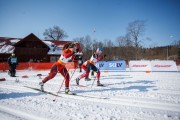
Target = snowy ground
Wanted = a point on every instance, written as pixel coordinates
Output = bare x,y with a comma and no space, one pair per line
129,96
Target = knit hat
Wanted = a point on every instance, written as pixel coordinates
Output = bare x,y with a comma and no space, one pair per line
99,51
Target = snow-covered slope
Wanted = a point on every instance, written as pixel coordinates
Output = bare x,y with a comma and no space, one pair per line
127,96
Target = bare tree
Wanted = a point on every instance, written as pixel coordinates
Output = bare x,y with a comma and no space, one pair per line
121,41
108,49
86,45
136,29
125,47
55,33
97,44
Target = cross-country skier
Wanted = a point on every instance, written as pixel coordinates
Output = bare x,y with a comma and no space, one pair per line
90,65
12,62
68,55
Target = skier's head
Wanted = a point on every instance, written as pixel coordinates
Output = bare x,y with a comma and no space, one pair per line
99,51
69,45
72,46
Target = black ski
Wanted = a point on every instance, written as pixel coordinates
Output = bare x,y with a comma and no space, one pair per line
59,95
41,90
79,85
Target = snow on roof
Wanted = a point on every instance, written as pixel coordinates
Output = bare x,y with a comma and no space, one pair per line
7,49
53,48
2,43
6,45
14,41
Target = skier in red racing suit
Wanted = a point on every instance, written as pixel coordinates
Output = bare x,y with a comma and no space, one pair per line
90,65
68,55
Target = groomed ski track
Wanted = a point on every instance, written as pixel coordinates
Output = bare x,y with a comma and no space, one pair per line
125,101
129,97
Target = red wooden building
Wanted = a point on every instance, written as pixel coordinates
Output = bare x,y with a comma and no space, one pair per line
31,49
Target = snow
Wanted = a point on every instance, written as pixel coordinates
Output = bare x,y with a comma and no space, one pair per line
52,50
2,43
13,41
127,96
6,49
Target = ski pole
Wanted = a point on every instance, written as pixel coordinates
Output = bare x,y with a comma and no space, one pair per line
63,82
93,82
73,73
61,85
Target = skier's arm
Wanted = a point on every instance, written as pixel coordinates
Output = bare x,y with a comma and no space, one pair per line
100,58
9,61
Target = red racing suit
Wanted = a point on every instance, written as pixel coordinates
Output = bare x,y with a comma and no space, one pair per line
90,65
59,66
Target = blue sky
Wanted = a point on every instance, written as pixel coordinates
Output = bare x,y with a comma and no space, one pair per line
78,18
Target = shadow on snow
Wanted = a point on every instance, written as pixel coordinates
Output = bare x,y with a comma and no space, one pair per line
143,87
17,95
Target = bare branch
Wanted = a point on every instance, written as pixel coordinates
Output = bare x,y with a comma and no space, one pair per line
55,33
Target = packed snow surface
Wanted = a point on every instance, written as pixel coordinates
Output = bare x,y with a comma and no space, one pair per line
126,96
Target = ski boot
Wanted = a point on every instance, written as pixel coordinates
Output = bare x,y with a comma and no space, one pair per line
99,84
42,86
67,91
77,81
87,79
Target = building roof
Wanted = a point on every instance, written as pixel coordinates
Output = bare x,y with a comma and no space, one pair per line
7,44
31,37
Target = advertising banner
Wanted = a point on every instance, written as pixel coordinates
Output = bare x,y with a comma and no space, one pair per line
140,66
158,65
111,65
163,66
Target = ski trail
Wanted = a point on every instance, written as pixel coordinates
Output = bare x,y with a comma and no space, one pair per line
142,103
18,88
21,114
171,92
124,101
146,104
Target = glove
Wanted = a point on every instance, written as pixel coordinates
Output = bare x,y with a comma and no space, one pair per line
104,55
77,50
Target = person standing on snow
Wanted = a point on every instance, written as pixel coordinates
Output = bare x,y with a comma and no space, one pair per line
12,62
90,65
68,55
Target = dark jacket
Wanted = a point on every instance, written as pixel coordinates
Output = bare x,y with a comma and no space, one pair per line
12,60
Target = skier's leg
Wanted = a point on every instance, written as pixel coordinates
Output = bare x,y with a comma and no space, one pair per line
66,76
52,74
98,74
95,69
86,74
11,70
